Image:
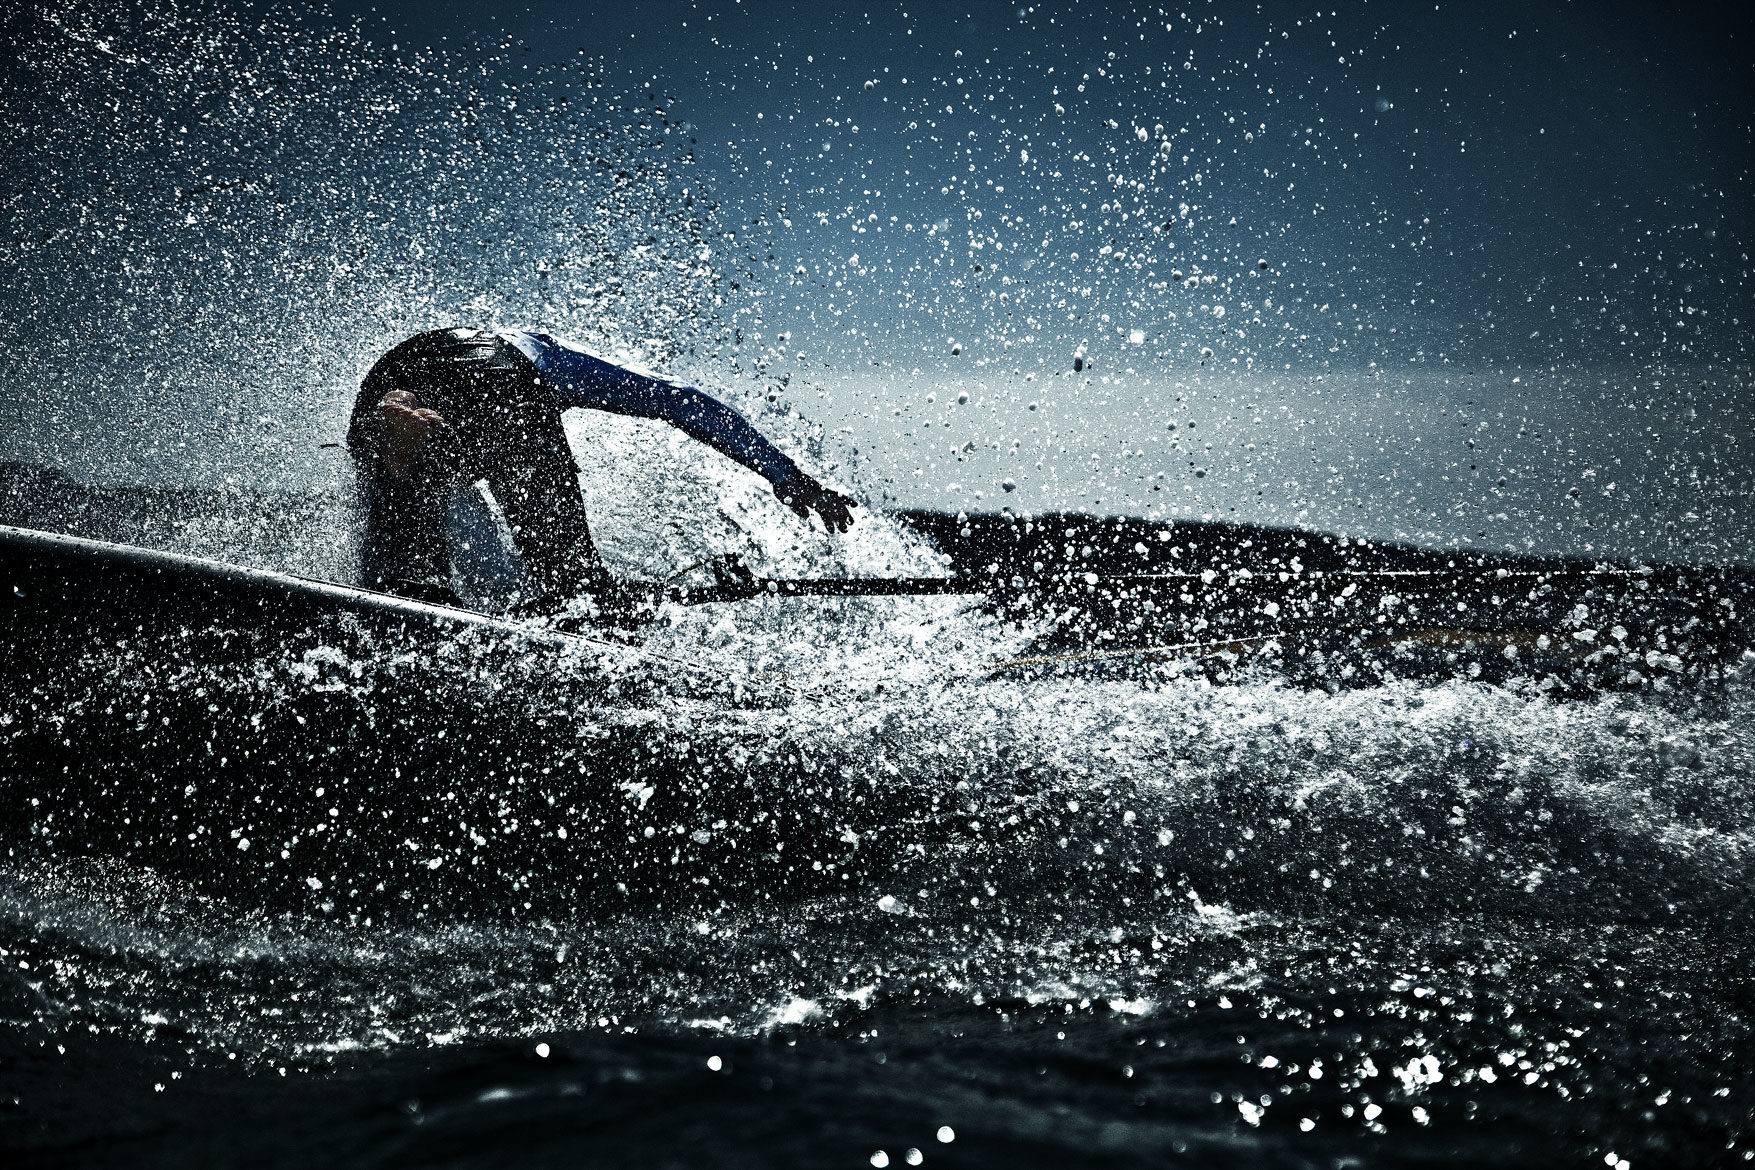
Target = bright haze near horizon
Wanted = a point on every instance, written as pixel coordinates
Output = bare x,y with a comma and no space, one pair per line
1468,275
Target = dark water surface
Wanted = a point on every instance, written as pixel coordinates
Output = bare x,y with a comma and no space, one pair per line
1364,1066
1076,921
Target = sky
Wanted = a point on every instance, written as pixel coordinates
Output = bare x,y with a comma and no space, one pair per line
1235,261
1465,175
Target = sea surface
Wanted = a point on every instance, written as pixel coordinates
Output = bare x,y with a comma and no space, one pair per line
805,883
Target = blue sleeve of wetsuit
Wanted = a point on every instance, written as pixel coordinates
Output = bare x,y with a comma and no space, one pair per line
583,379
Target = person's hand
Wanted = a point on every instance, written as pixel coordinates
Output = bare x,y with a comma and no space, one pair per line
804,495
406,426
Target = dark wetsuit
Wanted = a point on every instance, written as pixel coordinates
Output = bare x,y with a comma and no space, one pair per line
502,394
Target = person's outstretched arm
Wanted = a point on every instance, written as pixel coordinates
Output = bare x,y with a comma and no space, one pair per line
583,379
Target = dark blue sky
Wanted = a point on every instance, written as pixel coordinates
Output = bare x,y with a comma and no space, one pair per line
1465,175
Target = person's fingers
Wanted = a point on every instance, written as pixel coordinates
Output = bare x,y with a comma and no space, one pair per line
400,398
805,495
411,419
833,508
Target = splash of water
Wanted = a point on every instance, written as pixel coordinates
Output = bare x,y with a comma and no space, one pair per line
276,201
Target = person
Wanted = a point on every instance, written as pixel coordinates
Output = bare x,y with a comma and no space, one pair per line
455,406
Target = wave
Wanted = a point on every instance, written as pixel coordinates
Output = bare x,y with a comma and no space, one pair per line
342,772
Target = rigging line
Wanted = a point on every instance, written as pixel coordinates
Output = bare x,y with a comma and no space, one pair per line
748,587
